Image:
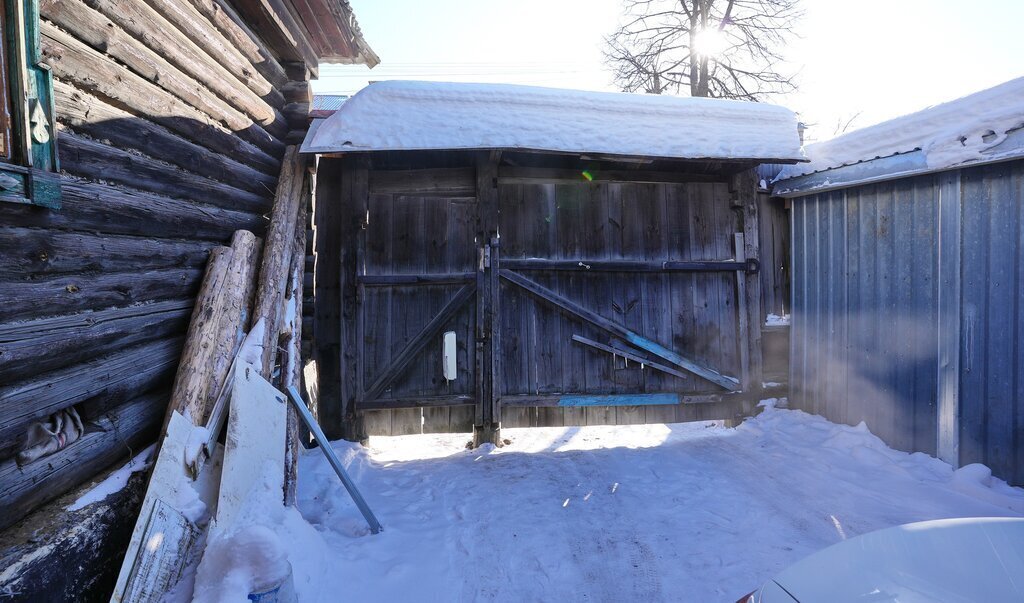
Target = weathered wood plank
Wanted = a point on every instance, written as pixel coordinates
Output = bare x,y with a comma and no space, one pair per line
585,265
39,346
85,113
33,251
124,431
104,208
532,175
330,263
95,160
442,182
64,294
627,354
76,63
111,378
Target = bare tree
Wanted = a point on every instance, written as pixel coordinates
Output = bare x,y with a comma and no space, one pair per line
716,48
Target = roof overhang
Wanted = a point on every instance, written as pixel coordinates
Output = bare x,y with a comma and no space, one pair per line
421,116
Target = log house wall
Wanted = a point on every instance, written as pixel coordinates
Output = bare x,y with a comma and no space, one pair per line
172,118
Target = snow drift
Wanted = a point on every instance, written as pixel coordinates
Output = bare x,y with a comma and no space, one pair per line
406,115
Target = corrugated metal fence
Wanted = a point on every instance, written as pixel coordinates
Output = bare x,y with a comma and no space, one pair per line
907,312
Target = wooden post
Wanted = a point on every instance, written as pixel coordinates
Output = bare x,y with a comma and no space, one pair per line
486,428
328,267
277,255
352,201
221,312
744,190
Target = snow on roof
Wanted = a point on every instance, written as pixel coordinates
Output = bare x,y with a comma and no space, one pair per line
406,115
948,134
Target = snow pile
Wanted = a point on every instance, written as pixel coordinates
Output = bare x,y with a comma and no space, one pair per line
408,115
116,481
949,134
774,320
262,547
693,512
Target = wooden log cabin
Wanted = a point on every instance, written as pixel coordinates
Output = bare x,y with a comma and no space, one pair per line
135,135
579,258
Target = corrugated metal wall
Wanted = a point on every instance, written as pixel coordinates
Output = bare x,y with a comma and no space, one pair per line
874,269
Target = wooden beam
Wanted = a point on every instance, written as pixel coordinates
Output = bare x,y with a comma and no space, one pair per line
744,187
101,207
532,175
277,254
627,354
85,157
221,312
417,343
570,307
291,366
35,347
655,399
441,182
34,252
589,265
486,428
330,238
67,293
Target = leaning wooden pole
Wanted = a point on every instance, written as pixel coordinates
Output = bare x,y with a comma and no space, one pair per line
277,255
220,315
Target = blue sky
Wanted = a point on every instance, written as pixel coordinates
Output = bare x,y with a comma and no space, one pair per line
878,58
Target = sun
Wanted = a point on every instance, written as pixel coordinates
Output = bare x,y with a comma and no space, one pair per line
710,42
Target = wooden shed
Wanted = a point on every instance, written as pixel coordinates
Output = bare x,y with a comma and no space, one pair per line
501,255
135,136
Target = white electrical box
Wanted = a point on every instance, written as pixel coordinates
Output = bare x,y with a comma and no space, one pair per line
448,353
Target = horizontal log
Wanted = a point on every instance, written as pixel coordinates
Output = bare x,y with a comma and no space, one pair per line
64,294
33,251
417,402
275,24
123,433
589,265
532,175
208,38
84,157
38,346
105,208
103,381
76,63
220,101
297,91
443,182
85,113
225,19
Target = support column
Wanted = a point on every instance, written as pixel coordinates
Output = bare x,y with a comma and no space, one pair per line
744,198
487,423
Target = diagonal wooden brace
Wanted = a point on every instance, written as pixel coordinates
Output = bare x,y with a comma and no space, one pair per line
570,307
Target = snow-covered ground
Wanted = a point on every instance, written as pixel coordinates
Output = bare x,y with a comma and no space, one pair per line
685,512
